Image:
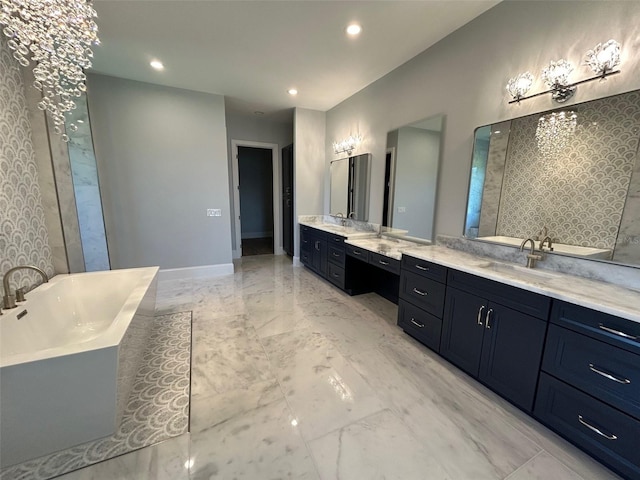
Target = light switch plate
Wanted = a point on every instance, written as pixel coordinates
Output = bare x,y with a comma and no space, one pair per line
214,212
402,209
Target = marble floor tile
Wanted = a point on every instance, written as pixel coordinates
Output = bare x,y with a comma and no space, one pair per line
167,460
263,443
376,447
544,466
322,388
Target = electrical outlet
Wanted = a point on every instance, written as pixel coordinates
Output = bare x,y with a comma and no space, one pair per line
402,209
214,212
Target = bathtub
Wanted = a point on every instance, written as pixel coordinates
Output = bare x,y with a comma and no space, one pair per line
68,357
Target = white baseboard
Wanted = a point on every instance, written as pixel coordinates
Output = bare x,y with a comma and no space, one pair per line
297,262
205,271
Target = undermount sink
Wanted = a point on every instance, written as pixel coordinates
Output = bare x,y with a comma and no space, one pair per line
519,271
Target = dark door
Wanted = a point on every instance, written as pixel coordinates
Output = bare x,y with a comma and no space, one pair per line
512,353
387,190
462,330
287,199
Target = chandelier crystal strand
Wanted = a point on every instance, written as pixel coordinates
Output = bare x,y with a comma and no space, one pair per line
554,132
57,35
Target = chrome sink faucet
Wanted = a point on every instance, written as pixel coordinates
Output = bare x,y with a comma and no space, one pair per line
531,257
548,241
343,220
9,301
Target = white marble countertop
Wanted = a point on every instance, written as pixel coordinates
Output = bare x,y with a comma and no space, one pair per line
600,296
346,231
389,247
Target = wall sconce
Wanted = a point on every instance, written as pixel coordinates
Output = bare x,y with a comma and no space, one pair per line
603,60
347,145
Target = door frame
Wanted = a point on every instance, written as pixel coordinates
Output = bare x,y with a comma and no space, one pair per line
392,183
277,194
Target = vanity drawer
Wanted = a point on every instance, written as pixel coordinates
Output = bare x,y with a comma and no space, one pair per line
421,325
386,263
603,431
336,255
424,268
616,331
357,252
608,373
521,300
422,292
336,275
335,240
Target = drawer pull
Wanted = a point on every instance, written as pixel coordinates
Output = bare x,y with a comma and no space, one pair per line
318,245
595,369
479,319
488,317
419,292
617,332
420,267
421,325
357,252
335,275
597,430
382,262
335,254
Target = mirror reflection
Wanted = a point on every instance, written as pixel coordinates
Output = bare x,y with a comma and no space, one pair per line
350,179
411,177
571,174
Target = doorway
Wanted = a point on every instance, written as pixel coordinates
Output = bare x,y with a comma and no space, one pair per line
255,189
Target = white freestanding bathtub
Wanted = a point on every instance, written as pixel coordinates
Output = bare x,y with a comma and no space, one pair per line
68,357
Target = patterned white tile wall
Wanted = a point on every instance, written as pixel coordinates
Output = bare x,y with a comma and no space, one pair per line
23,234
579,195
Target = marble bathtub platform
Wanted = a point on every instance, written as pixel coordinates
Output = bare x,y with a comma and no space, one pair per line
293,379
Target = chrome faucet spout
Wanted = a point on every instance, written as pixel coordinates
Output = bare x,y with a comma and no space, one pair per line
352,215
10,300
531,257
548,241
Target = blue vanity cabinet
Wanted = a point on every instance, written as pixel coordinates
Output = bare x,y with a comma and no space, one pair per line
336,260
422,292
314,249
498,344
590,386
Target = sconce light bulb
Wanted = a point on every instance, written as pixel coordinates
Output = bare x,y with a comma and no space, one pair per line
604,57
519,85
557,73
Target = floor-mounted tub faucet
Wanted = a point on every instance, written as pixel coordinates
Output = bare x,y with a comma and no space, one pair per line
9,301
531,257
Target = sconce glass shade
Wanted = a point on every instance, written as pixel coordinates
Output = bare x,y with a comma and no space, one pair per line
554,131
604,57
557,73
519,85
347,145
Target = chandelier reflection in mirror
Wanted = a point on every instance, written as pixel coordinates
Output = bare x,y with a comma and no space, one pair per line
554,133
347,145
603,60
57,36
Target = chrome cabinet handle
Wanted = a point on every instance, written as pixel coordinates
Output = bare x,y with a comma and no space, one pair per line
479,319
488,317
382,262
624,381
421,325
318,245
617,332
357,252
597,430
419,292
420,267
336,275
335,254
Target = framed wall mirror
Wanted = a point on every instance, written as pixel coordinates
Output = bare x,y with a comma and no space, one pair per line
411,178
350,179
571,174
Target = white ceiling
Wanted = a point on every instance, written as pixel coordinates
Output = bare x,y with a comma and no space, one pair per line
254,51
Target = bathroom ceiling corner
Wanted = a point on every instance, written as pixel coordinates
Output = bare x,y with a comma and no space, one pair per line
255,50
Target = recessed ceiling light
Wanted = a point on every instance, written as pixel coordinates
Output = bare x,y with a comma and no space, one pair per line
293,91
157,64
354,29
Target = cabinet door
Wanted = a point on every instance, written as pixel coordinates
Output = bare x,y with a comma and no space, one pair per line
512,353
462,330
320,256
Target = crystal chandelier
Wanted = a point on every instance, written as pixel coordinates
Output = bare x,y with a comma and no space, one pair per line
57,36
554,132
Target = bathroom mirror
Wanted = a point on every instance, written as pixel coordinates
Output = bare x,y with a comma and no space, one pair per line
571,174
411,178
350,179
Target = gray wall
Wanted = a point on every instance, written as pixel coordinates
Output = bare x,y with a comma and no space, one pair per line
257,129
162,161
464,77
309,166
